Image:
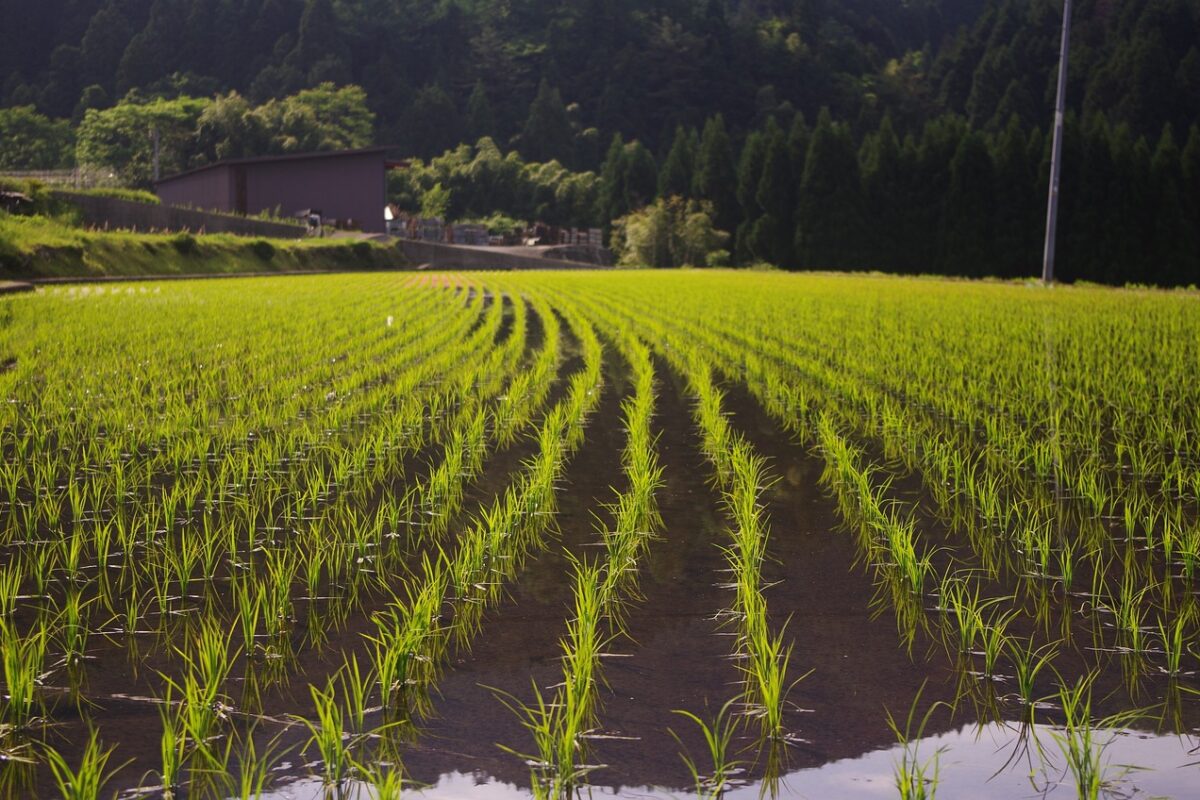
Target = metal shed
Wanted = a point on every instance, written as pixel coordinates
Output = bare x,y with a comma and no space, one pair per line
349,186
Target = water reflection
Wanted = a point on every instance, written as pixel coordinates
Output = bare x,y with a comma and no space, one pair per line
990,762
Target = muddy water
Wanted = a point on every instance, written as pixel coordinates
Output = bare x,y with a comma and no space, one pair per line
677,655
677,660
518,645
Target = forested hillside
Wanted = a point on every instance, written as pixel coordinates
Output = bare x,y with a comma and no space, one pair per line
933,132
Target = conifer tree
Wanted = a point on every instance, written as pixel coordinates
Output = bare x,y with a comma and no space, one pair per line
547,132
884,194
829,223
772,239
675,178
967,230
481,121
715,178
749,173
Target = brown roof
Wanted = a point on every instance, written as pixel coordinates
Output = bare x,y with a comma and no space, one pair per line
267,159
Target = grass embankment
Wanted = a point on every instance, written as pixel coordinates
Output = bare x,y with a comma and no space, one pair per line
47,243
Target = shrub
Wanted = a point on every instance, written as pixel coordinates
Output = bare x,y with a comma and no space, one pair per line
134,195
263,249
185,243
672,232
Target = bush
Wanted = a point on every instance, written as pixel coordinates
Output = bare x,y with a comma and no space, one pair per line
185,243
263,249
134,195
362,250
42,202
672,232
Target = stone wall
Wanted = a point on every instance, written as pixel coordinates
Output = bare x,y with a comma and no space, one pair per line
113,213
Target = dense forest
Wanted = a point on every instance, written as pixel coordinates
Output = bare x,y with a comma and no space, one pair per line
850,133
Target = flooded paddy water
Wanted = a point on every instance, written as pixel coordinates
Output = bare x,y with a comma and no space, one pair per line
875,687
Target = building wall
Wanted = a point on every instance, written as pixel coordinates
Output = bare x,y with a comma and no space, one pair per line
342,187
210,189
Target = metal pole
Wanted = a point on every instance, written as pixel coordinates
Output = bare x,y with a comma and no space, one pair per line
1056,152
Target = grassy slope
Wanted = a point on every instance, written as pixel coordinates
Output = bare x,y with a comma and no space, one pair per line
43,247
48,244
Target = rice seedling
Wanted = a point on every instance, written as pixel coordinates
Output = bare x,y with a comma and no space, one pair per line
1079,740
718,736
172,746
23,661
254,768
916,777
86,781
383,781
1028,662
281,472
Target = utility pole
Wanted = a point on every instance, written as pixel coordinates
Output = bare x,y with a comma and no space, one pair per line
1056,152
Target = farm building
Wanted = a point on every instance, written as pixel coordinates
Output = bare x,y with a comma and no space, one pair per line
348,187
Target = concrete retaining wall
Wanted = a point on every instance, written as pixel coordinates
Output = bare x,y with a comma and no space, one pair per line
114,213
447,256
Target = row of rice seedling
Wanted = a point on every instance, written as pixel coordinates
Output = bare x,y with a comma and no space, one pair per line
740,474
270,598
227,478
1055,531
414,634
1065,553
562,720
166,567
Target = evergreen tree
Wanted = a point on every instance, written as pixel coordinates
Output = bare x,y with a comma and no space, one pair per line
714,178
883,195
640,176
799,137
1174,242
432,123
481,121
547,132
1016,225
1190,170
829,223
967,229
611,201
108,34
675,178
749,173
773,235
152,53
319,40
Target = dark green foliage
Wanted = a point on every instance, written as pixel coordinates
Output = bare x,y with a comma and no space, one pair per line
715,178
969,209
884,188
184,243
481,121
914,80
262,249
749,173
430,121
32,141
772,239
829,217
675,178
547,132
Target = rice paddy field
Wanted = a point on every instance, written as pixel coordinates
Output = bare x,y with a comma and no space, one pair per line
630,534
